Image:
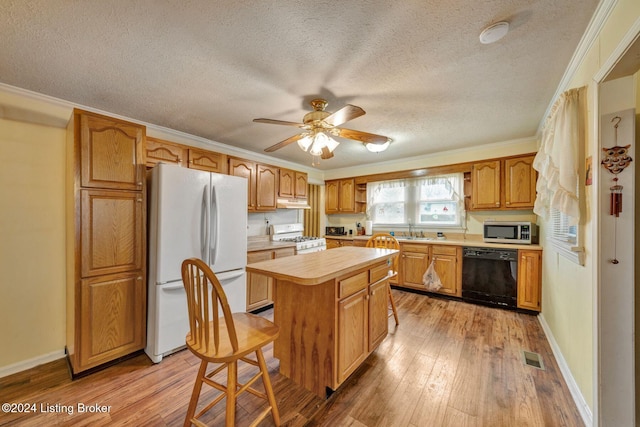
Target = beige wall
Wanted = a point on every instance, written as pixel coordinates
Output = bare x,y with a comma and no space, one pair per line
568,289
32,248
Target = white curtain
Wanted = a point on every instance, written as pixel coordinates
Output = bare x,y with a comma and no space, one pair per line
448,187
557,160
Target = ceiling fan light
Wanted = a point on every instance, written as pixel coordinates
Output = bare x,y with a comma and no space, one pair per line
377,148
331,144
305,143
319,141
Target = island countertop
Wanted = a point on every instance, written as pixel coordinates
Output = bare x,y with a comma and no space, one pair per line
318,267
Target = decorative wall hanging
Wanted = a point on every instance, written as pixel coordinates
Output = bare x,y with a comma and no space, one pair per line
616,159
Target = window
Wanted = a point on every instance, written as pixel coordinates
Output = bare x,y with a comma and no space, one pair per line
431,202
565,236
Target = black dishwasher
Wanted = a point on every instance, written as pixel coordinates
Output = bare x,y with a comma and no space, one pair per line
489,276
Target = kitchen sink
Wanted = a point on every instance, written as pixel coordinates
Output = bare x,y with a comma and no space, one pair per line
413,238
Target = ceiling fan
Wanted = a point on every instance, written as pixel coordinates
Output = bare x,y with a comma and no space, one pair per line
319,126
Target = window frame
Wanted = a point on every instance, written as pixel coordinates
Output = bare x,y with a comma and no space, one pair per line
412,204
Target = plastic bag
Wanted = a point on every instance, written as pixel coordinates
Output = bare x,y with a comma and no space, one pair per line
431,280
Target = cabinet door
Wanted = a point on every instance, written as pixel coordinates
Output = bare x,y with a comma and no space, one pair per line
259,287
287,183
414,261
245,169
485,181
158,151
445,262
378,318
266,187
112,317
112,231
333,243
332,194
347,196
300,190
519,182
207,161
111,153
352,333
529,279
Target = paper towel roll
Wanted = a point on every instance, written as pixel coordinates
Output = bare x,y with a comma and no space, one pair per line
368,228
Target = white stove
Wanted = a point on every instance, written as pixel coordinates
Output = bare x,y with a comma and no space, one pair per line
293,233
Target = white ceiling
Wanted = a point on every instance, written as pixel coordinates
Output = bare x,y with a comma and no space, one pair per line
208,68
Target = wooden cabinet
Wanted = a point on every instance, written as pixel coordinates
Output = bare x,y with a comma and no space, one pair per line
260,287
485,181
529,279
293,184
262,181
209,161
378,318
353,337
362,318
338,243
106,238
158,151
340,196
447,261
110,153
519,183
508,183
414,261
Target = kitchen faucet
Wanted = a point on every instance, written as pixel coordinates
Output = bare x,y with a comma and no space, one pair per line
410,229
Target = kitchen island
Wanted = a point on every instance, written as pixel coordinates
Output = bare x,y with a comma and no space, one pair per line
331,307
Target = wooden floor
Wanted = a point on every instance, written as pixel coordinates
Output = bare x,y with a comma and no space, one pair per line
448,364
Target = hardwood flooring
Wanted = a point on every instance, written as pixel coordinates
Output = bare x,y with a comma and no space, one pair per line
448,364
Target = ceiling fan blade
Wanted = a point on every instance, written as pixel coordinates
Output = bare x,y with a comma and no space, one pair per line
326,154
364,137
278,122
284,143
346,113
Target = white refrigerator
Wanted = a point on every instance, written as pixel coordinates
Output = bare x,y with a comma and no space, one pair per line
191,214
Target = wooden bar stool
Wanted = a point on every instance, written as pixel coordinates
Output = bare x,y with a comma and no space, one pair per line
387,241
224,339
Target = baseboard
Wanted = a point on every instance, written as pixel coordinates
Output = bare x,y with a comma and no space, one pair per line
30,363
578,398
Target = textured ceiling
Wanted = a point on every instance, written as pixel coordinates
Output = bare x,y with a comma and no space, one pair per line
208,68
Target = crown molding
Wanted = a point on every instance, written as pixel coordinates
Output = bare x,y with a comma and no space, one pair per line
599,18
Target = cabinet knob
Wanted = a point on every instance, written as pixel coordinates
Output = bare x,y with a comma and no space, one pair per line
497,203
139,278
139,200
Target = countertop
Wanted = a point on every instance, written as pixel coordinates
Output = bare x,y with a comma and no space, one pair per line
318,267
262,245
475,241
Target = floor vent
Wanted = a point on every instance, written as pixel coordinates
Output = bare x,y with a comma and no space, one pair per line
532,359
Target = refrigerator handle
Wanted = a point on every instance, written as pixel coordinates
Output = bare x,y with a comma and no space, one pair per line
214,214
204,225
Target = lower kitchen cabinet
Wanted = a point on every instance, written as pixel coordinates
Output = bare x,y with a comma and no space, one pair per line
529,279
447,261
111,317
362,318
338,243
260,287
414,261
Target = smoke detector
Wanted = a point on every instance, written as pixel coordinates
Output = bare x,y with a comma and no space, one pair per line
494,32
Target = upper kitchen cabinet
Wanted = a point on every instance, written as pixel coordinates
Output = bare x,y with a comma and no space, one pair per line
158,151
110,152
209,161
519,183
106,240
485,181
503,184
293,184
262,181
341,196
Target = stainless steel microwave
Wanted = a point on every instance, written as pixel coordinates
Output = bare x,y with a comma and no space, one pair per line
510,232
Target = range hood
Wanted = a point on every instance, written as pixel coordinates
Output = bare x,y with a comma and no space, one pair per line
292,204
